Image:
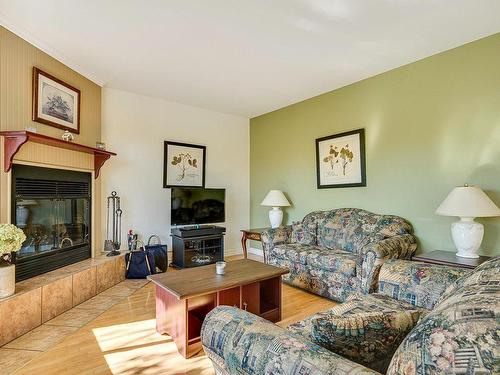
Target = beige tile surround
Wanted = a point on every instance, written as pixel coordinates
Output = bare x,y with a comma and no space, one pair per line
48,296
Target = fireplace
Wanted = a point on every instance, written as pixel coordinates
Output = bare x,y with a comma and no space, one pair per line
52,207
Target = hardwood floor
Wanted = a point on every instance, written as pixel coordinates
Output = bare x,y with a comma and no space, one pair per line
123,340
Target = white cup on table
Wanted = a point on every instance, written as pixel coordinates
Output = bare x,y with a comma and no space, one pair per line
220,268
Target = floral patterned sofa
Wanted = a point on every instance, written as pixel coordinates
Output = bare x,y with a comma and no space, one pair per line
338,253
457,332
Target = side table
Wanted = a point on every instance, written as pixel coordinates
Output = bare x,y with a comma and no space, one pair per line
252,234
449,258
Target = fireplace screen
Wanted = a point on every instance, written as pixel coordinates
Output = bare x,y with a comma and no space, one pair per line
53,209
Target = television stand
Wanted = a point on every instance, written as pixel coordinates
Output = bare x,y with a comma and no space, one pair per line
197,245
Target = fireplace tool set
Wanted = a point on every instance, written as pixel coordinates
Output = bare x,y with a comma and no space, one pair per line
112,242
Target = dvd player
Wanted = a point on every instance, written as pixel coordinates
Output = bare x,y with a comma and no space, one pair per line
197,231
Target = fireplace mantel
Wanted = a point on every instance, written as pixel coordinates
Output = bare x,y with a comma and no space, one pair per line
14,140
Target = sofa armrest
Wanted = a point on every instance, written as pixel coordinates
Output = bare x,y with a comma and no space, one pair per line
238,342
275,236
421,284
374,254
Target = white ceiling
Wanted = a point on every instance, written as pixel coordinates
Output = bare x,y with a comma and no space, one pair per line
244,57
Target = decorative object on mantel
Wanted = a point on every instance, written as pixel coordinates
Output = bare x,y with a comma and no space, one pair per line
340,160
55,103
112,243
100,145
467,202
67,136
183,165
275,199
11,240
14,140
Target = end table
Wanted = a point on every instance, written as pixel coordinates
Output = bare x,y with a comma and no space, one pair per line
449,258
252,234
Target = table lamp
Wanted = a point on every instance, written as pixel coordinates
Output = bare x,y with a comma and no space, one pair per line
275,199
467,202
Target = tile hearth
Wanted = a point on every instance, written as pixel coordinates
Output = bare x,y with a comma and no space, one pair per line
42,298
15,354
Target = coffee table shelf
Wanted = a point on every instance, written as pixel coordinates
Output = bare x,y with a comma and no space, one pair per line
184,298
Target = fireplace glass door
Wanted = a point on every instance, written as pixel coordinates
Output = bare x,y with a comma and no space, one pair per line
53,208
52,224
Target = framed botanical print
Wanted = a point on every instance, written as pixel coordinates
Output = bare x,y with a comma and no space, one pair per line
55,103
340,160
183,165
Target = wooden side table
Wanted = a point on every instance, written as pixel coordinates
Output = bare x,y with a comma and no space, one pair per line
449,258
252,234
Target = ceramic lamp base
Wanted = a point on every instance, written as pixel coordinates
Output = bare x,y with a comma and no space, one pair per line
275,217
467,236
7,281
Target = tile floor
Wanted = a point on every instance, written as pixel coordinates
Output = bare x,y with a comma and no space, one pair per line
20,351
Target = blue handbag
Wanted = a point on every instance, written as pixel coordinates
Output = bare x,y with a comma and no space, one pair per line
160,254
139,263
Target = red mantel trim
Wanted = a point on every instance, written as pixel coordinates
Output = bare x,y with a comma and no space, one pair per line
15,139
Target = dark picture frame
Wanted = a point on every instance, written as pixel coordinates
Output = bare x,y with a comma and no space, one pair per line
341,160
178,161
56,118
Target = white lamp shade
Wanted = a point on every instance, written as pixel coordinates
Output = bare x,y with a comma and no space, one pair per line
275,198
468,201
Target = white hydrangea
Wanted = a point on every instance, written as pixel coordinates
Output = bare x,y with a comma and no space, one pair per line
11,239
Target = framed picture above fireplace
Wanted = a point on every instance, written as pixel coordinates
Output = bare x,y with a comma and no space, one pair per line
55,102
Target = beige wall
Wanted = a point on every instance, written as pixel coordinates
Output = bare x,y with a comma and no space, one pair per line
136,126
17,58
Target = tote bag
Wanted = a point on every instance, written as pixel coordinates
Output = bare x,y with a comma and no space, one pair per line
159,252
139,263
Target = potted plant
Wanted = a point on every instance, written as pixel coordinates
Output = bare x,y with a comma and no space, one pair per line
11,240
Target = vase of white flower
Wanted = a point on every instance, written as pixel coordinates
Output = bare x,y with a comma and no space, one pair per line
11,240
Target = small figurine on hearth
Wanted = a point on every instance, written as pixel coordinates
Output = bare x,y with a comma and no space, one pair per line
67,136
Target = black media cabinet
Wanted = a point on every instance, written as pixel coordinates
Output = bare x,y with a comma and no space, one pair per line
198,245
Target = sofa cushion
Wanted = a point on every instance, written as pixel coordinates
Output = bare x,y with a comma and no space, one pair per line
366,329
304,234
418,283
294,252
332,260
318,257
333,285
350,229
460,336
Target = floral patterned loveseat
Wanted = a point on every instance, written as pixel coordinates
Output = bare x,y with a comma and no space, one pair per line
457,332
339,252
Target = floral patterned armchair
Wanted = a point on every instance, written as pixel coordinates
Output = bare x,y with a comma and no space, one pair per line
457,332
338,253
369,328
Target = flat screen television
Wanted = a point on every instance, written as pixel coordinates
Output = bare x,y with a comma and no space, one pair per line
197,206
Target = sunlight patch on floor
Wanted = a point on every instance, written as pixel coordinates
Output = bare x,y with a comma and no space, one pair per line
137,334
161,358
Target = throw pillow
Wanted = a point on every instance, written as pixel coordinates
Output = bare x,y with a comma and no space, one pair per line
304,234
366,330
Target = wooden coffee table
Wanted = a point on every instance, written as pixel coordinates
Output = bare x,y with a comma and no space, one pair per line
185,297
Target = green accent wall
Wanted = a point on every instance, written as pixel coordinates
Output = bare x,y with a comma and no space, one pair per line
430,126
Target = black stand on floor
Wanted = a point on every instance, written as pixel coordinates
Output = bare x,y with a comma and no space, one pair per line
198,245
